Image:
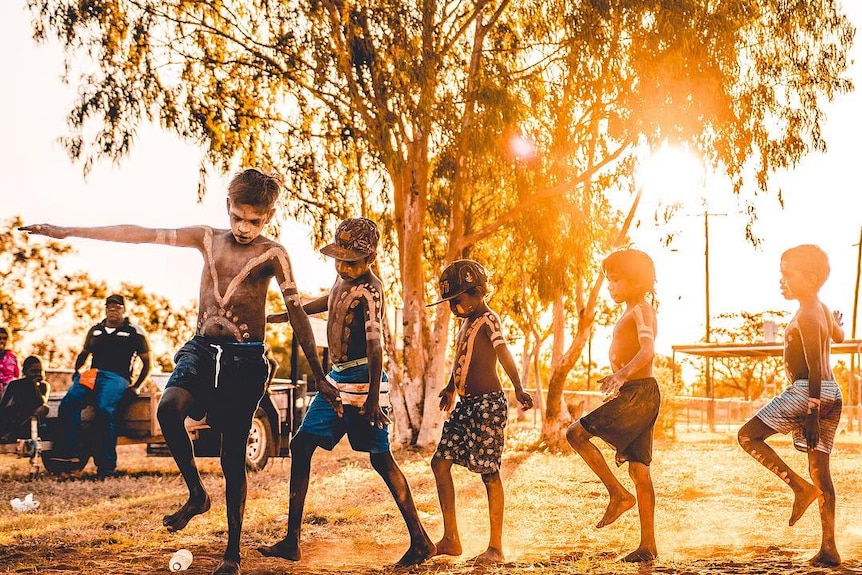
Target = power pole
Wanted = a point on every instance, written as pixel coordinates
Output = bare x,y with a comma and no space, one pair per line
710,384
855,383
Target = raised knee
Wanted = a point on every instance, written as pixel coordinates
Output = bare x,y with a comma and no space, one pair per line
744,439
167,413
574,434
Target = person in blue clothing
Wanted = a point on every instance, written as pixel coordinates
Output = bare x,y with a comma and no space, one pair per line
114,344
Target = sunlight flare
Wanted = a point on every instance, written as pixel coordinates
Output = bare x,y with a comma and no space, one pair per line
672,174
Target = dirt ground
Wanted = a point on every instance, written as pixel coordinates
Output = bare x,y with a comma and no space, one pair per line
717,512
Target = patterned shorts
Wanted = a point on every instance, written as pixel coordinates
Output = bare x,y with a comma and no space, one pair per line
786,413
473,435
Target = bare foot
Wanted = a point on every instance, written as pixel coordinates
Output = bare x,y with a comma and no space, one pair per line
418,553
287,548
489,557
825,558
616,507
801,501
227,567
641,555
449,547
178,520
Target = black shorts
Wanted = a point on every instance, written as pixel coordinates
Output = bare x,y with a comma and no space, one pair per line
626,422
226,380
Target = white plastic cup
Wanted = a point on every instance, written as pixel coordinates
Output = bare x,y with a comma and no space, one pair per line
24,505
180,560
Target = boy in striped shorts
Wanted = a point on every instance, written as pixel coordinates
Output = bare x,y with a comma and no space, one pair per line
355,339
810,408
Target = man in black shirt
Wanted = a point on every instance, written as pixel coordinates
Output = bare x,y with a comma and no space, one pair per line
114,344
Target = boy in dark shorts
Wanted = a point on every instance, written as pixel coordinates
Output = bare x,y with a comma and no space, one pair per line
627,418
474,433
354,333
810,408
222,372
24,398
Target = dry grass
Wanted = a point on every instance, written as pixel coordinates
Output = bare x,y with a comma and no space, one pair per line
718,512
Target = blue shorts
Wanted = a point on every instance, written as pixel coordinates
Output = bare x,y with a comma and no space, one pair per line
322,422
226,380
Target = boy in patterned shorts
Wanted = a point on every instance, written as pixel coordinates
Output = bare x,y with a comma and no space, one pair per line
810,408
473,434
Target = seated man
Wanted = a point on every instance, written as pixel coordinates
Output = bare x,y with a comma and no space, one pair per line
23,398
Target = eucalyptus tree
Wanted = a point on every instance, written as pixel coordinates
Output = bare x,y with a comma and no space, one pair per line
401,111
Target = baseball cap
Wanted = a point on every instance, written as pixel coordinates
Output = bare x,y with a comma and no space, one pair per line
117,299
355,239
458,277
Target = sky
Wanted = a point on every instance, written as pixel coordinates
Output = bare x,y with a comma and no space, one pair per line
156,186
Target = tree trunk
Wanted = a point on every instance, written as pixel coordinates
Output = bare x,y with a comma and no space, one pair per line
410,192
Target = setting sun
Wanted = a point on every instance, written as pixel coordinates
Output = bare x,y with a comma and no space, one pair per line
672,174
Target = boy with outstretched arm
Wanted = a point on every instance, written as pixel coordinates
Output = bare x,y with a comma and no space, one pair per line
810,408
473,435
354,334
627,418
222,372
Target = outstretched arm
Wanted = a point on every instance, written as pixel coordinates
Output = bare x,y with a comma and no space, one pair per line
129,234
318,305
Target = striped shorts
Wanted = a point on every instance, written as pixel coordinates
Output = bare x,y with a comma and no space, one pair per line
786,413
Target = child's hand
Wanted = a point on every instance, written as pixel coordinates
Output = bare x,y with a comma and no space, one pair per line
376,416
45,230
610,385
331,395
812,428
838,317
524,398
447,399
277,318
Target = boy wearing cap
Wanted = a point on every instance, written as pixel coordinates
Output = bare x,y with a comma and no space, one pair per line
354,335
222,371
113,343
473,435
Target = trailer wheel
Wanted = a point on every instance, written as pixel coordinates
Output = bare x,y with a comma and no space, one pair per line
260,442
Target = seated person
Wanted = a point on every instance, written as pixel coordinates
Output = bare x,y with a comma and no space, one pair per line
23,398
